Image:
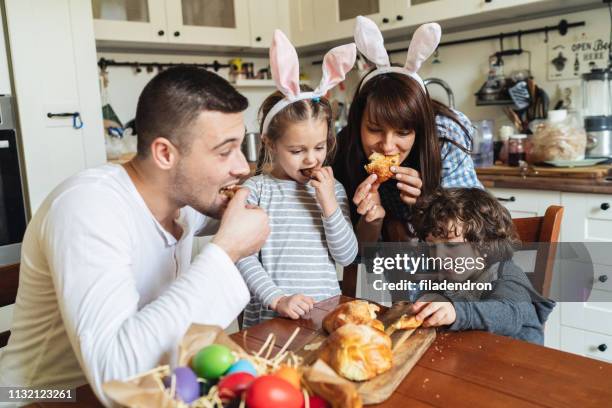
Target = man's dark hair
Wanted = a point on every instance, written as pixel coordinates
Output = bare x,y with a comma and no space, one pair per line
174,98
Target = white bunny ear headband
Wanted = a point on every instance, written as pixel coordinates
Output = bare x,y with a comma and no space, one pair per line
286,72
370,43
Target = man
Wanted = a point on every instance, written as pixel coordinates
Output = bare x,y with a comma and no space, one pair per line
106,287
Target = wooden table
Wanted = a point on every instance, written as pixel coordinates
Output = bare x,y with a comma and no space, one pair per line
472,369
468,369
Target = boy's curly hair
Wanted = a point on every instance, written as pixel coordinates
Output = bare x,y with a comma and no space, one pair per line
485,223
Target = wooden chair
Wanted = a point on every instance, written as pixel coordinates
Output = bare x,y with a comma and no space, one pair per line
531,231
535,230
9,281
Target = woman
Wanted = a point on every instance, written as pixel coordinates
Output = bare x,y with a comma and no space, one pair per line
392,113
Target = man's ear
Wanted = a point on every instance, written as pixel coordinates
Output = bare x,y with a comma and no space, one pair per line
164,153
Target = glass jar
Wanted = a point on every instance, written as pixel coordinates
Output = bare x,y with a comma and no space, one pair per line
516,149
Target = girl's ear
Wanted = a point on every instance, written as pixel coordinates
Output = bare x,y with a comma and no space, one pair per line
423,43
284,65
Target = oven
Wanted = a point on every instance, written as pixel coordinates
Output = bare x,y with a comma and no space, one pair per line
12,205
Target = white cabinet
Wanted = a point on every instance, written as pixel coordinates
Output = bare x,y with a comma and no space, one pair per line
588,217
336,18
266,16
588,344
193,22
54,73
210,22
302,22
133,20
526,203
577,327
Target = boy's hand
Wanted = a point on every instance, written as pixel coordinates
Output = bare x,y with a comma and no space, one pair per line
434,314
325,185
367,200
294,306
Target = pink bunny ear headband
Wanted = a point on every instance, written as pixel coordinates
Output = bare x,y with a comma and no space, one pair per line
370,43
286,72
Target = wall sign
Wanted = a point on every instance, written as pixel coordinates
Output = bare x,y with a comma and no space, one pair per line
569,58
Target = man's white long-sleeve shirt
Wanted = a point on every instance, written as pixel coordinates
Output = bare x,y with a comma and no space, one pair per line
105,292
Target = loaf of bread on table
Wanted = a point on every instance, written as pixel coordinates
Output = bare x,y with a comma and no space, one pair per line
356,312
357,352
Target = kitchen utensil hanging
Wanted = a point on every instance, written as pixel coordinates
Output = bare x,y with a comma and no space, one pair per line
495,90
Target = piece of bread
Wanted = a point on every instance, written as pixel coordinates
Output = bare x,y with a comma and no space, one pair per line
355,311
357,352
380,165
407,322
230,191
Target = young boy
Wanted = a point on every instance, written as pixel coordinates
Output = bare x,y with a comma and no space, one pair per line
512,307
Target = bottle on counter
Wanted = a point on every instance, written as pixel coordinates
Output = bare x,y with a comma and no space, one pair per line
516,149
500,147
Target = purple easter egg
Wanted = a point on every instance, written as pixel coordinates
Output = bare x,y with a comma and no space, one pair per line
187,387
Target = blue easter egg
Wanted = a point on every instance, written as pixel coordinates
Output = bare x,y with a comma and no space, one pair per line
242,366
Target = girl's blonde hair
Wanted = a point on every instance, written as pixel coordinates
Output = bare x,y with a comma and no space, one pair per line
318,108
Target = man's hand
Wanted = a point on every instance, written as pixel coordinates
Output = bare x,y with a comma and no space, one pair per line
244,228
434,313
294,306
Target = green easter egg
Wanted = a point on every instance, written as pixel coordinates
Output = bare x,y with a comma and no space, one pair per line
212,361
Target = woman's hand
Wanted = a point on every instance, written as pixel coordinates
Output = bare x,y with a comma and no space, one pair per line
367,200
294,306
409,183
325,185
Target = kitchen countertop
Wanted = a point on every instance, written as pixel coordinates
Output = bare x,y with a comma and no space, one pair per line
595,185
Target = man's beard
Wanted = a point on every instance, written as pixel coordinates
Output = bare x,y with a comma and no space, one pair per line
187,192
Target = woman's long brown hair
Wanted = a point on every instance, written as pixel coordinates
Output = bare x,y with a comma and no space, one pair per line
399,102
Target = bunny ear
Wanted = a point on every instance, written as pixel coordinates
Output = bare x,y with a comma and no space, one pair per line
284,65
370,42
423,43
336,64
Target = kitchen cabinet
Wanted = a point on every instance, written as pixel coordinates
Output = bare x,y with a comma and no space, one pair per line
302,23
336,18
577,327
133,20
208,22
526,203
266,16
54,73
191,22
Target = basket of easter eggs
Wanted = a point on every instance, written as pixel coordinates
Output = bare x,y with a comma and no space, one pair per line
214,372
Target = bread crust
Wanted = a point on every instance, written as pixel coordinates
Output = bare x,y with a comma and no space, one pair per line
358,352
381,166
356,312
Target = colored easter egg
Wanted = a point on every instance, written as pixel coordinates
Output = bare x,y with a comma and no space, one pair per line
242,366
269,391
212,361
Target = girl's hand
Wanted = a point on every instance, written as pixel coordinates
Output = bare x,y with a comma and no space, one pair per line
409,183
325,185
434,313
367,200
294,306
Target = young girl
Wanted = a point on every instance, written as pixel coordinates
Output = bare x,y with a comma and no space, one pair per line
307,207
474,217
